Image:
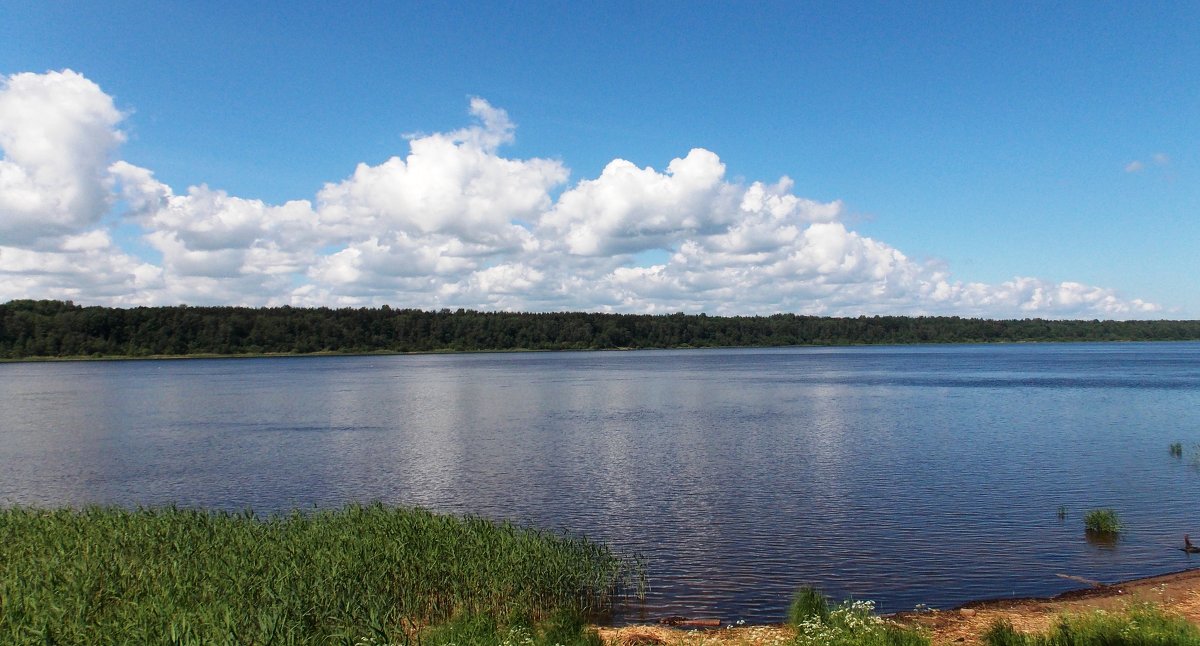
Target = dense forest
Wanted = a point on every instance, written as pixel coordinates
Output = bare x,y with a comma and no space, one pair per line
30,329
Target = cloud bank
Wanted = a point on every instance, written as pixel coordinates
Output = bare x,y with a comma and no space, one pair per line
454,223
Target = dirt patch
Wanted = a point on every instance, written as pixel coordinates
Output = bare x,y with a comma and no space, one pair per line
667,636
1177,593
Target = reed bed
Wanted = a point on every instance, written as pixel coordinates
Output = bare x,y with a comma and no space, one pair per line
186,576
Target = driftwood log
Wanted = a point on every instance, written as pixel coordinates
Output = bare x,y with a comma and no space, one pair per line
685,622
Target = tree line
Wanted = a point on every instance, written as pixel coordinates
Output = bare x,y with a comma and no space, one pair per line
44,328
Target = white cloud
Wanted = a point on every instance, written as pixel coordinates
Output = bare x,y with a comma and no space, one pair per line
57,131
378,264
208,239
454,223
818,268
1036,297
87,267
629,209
453,184
1158,159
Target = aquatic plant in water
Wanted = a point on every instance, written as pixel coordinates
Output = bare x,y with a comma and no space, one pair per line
1102,521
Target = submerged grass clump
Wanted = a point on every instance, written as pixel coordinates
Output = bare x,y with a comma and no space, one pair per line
850,623
1102,521
109,575
1146,626
1176,449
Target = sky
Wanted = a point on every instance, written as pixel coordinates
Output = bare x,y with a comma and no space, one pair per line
985,159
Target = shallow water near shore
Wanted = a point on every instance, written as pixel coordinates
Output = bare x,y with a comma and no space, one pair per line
904,474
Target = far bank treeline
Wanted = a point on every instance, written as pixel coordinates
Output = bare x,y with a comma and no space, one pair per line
30,329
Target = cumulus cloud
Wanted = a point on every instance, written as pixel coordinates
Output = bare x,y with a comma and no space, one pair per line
1035,297
455,223
629,209
216,247
87,267
451,184
57,132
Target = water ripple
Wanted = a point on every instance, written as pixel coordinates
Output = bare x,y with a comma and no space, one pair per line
907,475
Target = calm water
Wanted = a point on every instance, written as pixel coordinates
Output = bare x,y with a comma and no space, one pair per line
901,474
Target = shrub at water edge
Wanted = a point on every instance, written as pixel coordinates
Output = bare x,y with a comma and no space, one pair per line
850,623
806,603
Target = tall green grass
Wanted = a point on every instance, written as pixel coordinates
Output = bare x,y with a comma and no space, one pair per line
1144,626
808,603
560,629
182,576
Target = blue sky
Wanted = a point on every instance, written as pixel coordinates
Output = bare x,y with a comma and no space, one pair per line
985,142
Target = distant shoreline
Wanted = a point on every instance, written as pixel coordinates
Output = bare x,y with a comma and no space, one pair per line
61,330
394,353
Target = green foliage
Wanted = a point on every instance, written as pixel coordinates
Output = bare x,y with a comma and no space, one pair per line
31,328
1142,626
107,575
564,628
807,603
569,629
1102,521
1176,449
851,623
1002,633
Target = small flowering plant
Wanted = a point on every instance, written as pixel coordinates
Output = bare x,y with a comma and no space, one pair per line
851,623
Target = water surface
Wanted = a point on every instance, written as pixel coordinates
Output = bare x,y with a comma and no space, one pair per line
914,474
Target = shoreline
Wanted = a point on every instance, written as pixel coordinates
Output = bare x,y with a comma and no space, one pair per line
1097,589
398,353
1175,592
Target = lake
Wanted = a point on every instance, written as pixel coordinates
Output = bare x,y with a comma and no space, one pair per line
903,474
